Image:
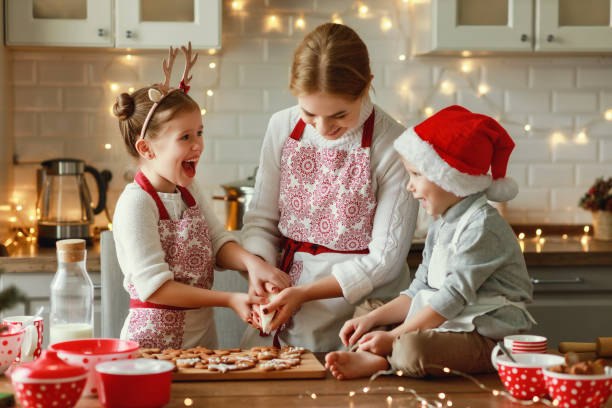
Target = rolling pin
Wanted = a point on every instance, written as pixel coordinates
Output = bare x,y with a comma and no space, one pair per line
602,347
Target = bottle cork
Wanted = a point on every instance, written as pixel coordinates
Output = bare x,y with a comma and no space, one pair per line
70,250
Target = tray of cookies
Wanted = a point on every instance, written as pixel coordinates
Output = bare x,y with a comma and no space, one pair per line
200,363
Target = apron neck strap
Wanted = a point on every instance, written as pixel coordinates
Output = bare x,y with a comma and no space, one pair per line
366,135
146,185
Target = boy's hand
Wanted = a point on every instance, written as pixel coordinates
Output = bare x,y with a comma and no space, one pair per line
262,275
353,329
242,303
377,342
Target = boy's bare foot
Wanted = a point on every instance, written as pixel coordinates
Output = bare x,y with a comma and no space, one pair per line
345,365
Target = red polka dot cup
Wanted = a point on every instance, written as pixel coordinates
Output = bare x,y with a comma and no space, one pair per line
584,391
48,382
89,352
523,378
10,343
31,347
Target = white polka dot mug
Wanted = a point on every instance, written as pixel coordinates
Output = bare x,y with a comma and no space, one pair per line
584,391
523,378
31,347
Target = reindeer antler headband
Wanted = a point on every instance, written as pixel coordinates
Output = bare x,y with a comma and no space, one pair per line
157,95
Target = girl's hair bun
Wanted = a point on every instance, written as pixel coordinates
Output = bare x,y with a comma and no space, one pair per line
124,106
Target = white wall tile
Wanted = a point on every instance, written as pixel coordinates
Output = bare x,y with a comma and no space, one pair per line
553,78
280,50
566,199
61,73
587,173
237,151
232,100
490,104
574,101
518,172
212,175
63,124
506,77
37,98
24,72
278,99
253,125
409,75
87,99
597,125
220,125
263,75
551,175
25,124
573,151
527,101
531,151
39,149
530,199
605,151
589,77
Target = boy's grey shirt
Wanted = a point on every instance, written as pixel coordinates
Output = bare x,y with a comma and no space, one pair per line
488,262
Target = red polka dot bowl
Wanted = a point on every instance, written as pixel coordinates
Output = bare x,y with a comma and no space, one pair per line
136,383
48,382
524,378
10,344
584,391
89,352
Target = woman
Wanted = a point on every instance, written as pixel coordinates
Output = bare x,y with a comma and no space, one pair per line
330,195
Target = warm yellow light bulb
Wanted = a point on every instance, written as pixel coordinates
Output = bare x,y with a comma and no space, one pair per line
401,57
237,5
212,65
108,146
203,111
527,127
188,401
441,395
608,114
212,51
300,23
539,232
564,236
483,89
521,235
428,111
19,208
273,18
131,89
336,19
114,87
587,229
363,10
581,138
465,53
385,24
210,92
557,138
466,67
351,393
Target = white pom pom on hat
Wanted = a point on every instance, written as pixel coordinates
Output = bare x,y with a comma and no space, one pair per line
455,149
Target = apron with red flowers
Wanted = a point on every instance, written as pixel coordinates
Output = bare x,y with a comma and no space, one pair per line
188,251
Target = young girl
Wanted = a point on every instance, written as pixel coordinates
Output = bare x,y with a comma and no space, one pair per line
167,237
471,287
329,195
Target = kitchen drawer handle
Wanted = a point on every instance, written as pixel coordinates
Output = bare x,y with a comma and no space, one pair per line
524,37
97,287
550,38
537,281
129,34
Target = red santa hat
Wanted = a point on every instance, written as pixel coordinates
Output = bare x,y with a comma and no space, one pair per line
455,149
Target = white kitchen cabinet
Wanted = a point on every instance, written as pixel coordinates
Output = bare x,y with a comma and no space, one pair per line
134,24
84,23
36,287
158,24
482,26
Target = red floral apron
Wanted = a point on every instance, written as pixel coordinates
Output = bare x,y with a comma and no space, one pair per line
188,248
327,205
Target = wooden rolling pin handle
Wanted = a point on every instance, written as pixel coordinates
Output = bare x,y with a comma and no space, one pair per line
566,347
604,346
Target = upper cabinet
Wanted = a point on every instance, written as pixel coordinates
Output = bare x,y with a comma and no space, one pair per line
138,24
84,23
451,26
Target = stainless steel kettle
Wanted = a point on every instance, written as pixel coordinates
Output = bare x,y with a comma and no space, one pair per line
64,208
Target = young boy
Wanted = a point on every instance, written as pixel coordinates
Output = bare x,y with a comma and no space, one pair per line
472,285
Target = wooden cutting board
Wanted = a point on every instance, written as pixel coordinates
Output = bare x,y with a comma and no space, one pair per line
310,367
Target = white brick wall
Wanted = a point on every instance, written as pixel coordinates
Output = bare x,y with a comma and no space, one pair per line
62,101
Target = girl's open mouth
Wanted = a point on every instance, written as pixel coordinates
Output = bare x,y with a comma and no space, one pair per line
189,167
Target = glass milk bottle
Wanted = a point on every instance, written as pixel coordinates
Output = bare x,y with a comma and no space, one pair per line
72,294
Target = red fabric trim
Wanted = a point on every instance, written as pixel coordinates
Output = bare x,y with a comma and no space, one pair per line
146,185
368,131
296,134
137,304
189,200
290,247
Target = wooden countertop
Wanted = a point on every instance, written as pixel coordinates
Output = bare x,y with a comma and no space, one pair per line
575,250
329,393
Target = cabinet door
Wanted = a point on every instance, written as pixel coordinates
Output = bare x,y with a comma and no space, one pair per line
72,23
570,25
482,25
160,23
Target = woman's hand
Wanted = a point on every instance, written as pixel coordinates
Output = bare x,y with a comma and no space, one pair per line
377,342
353,329
284,304
243,305
261,272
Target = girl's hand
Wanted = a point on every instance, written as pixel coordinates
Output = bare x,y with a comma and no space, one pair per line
377,342
261,272
242,303
284,304
353,329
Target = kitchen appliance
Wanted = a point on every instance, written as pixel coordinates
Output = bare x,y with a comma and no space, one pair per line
238,195
64,208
